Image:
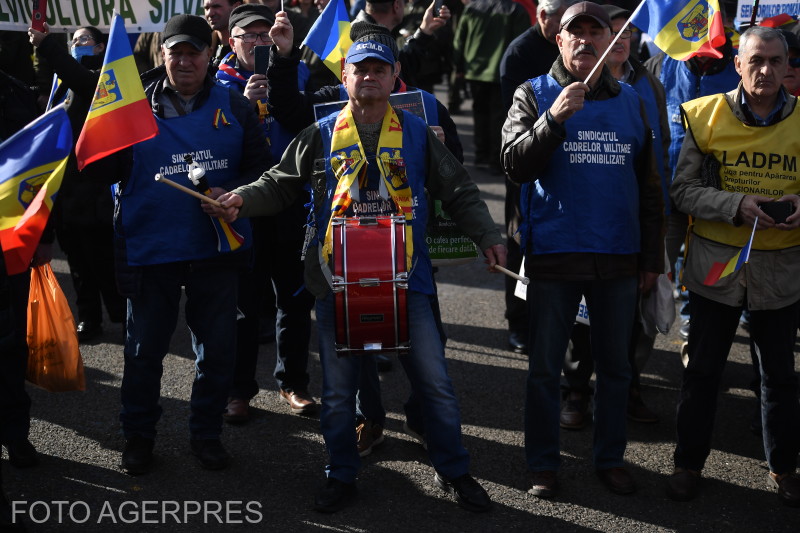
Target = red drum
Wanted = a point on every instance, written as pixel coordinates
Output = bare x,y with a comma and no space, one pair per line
369,284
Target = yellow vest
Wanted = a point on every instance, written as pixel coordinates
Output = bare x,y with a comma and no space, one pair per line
758,160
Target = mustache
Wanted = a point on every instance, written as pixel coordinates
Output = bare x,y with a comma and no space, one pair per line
585,48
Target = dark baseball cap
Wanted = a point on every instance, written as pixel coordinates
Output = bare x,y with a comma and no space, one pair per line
187,29
361,50
616,11
246,14
585,9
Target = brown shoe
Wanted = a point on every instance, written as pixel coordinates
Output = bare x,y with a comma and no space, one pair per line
543,484
788,486
368,435
617,480
237,411
300,401
637,410
574,411
683,485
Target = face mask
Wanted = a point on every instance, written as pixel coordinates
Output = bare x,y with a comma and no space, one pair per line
79,51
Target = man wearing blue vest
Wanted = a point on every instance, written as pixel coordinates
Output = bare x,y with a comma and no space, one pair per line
592,224
293,107
330,154
166,241
738,161
277,243
626,69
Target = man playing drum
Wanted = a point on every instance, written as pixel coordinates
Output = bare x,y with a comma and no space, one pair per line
370,160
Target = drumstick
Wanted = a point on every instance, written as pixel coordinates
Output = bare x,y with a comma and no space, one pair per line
187,190
525,280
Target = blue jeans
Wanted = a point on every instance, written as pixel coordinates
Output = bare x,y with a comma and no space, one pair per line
152,317
552,306
710,338
426,369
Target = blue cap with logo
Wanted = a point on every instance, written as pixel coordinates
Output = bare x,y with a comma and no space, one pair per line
362,50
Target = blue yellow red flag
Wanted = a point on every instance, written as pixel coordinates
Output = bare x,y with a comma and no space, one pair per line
329,37
683,29
120,114
32,164
720,270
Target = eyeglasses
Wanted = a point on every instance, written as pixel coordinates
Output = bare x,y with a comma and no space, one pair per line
794,62
625,34
83,39
252,37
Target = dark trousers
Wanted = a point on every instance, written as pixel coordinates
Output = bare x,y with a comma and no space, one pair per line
489,116
710,339
90,255
15,404
277,267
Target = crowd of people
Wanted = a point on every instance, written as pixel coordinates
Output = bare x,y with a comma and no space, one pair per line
610,168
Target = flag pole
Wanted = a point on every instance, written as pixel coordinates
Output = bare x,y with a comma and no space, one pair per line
754,14
614,41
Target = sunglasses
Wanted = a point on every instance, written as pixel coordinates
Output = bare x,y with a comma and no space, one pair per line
794,62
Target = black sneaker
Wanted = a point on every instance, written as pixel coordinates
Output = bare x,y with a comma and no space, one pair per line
138,455
468,493
334,496
22,454
210,453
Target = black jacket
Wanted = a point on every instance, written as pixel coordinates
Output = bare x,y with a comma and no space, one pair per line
295,109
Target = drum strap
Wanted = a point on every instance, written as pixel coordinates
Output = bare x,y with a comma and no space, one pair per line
348,161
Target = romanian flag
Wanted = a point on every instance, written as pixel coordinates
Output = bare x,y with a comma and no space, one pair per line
681,28
329,37
720,270
32,164
120,114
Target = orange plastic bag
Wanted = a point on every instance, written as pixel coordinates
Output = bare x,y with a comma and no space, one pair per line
54,359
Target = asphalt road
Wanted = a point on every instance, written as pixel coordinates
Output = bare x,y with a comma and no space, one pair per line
279,457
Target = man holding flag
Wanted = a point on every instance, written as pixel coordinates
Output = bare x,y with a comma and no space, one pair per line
737,163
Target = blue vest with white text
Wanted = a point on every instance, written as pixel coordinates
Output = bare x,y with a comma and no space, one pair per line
586,199
161,224
415,139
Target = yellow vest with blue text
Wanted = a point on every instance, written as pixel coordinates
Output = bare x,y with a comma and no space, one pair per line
759,160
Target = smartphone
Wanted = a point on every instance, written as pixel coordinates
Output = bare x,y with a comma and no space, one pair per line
437,5
38,14
777,211
261,54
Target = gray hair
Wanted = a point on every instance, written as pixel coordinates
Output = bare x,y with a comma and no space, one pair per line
551,6
764,33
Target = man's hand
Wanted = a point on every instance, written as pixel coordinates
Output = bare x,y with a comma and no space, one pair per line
793,220
431,23
439,131
282,34
230,207
496,255
569,101
36,37
256,88
749,210
647,280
